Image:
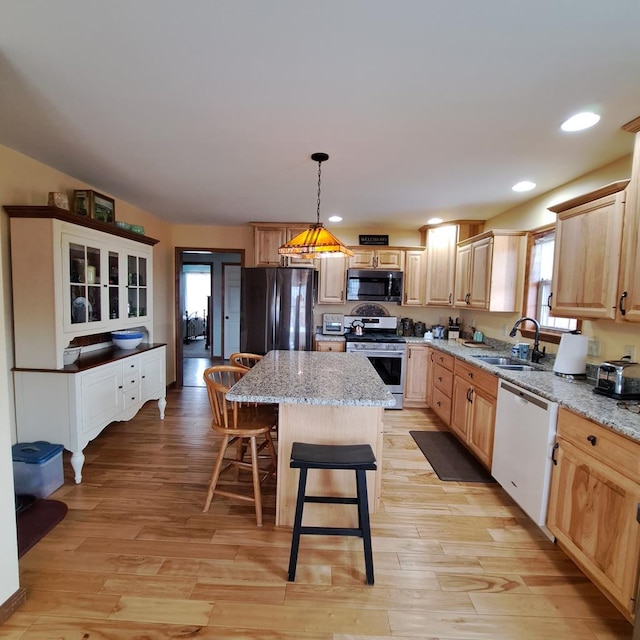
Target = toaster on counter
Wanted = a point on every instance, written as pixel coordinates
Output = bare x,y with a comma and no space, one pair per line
619,379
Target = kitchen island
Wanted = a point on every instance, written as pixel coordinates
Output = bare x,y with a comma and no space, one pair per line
323,398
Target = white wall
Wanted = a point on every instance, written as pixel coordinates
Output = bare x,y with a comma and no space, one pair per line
9,582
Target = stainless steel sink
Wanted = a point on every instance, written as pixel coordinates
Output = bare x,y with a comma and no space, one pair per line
517,367
509,364
498,360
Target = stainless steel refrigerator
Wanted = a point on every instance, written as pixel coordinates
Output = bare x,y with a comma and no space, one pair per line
276,309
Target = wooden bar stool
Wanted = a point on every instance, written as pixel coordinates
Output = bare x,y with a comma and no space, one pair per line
357,457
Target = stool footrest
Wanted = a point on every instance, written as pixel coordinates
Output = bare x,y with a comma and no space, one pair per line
330,500
331,531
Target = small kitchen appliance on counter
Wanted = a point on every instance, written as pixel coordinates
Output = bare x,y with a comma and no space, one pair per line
619,379
332,324
571,359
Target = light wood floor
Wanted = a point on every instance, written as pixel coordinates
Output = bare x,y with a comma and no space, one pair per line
136,558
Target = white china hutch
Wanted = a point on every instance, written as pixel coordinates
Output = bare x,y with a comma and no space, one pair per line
74,280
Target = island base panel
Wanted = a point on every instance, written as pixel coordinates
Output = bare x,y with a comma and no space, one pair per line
326,424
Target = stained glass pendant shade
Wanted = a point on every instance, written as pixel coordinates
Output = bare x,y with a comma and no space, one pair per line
316,241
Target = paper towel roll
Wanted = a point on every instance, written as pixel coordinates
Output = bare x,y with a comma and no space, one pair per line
571,358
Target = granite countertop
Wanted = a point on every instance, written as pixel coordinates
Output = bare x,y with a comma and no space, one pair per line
576,395
312,377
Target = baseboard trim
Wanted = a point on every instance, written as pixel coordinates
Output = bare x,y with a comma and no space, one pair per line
14,602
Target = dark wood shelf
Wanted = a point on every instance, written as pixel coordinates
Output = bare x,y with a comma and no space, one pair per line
45,211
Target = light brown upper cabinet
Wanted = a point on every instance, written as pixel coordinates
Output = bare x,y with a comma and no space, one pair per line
368,258
332,277
489,271
588,247
440,261
268,238
413,294
630,270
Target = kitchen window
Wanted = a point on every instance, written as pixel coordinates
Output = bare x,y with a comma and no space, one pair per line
538,295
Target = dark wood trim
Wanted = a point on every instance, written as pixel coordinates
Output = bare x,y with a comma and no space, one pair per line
12,604
19,211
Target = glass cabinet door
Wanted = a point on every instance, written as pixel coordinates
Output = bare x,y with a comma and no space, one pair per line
84,283
137,278
114,285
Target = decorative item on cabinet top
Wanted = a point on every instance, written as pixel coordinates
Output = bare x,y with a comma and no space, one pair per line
95,205
45,211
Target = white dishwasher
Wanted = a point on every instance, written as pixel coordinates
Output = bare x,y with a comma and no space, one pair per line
522,449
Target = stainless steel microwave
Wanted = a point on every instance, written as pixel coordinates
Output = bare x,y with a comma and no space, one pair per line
374,285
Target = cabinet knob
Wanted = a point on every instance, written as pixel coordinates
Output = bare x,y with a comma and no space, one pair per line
120,387
470,374
593,440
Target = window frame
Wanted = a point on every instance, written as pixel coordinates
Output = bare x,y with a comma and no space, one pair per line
530,295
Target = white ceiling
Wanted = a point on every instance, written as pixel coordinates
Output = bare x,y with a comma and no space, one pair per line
207,111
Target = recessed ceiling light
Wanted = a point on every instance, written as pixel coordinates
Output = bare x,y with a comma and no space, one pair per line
580,121
335,219
434,220
525,185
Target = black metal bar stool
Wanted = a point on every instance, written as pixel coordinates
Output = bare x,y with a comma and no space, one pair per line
359,458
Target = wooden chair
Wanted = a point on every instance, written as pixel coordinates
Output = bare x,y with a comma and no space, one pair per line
244,360
238,424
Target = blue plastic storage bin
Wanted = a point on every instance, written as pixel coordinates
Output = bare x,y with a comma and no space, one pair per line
37,468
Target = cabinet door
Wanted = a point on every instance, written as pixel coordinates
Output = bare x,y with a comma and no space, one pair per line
462,289
592,513
415,388
413,278
332,280
440,265
138,285
480,273
102,398
266,242
630,280
82,270
430,364
586,259
152,374
389,259
481,425
460,406
362,258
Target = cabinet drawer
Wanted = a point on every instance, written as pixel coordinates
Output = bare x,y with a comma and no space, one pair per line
131,397
611,448
441,405
443,380
444,360
477,377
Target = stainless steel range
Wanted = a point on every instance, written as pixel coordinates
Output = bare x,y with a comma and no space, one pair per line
376,338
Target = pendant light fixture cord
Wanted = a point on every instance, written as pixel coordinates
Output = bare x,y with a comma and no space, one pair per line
319,180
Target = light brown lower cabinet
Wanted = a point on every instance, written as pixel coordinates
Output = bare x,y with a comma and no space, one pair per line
473,409
595,493
415,385
330,345
442,385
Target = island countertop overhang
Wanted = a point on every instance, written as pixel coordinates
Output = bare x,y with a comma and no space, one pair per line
312,377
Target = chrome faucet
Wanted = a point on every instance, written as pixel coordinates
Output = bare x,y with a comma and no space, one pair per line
536,354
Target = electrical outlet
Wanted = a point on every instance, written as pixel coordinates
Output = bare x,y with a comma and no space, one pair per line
630,350
505,329
594,348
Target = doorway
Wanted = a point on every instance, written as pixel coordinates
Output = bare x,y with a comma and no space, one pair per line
205,310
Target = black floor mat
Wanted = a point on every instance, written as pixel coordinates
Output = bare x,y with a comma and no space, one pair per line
449,458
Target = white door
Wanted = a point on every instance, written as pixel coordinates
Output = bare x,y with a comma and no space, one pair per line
231,322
